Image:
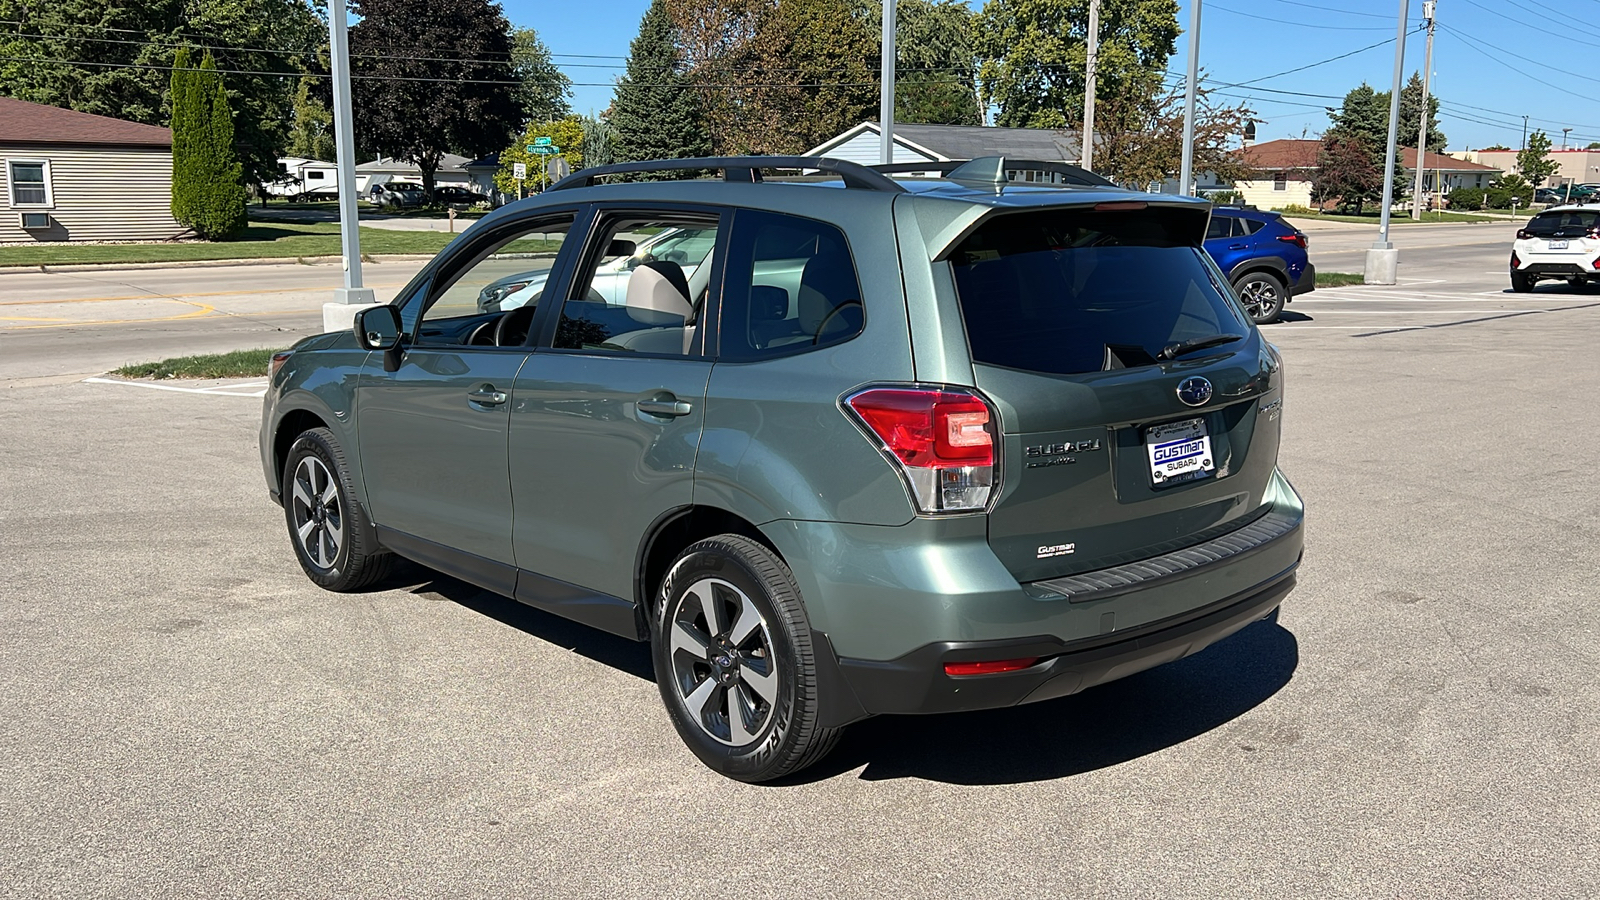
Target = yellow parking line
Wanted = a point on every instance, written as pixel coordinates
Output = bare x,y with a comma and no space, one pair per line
180,296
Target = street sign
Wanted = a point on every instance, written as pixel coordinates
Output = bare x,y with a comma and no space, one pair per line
544,149
557,169
519,171
541,142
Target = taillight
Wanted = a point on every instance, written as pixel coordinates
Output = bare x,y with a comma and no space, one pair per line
989,666
1515,262
1297,239
278,359
942,440
1522,233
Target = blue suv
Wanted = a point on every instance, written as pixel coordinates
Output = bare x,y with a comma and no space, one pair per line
1264,256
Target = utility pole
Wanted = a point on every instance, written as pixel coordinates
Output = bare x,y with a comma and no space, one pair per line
1186,168
1564,133
341,313
1422,130
1524,133
886,94
1090,82
1383,260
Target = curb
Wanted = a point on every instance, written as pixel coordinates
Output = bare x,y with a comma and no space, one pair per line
210,263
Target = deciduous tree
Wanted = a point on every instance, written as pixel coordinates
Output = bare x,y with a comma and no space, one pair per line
311,134
1346,173
432,77
1534,162
566,134
1140,140
545,90
936,70
1035,53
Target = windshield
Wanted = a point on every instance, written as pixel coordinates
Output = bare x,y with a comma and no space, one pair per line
1069,291
1576,223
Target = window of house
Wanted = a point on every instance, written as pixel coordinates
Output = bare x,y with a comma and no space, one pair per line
1280,181
29,180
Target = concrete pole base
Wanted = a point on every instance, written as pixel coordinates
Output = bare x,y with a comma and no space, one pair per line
1381,266
340,315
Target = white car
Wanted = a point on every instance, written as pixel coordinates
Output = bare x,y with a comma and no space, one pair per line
1562,243
687,247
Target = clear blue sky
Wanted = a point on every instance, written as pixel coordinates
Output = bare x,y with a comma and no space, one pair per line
1485,87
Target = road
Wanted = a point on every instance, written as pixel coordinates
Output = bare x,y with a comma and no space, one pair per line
185,714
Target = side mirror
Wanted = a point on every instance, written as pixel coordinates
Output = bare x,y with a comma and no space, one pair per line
620,247
378,328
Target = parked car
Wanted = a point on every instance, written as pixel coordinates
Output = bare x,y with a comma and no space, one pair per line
1560,244
1550,196
1264,258
914,446
686,247
397,194
453,195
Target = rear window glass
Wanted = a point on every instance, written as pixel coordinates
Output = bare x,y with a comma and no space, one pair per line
1564,224
1073,291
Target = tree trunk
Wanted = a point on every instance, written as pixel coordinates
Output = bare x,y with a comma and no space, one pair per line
429,164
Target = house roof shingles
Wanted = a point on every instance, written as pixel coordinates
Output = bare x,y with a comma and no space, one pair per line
1295,153
24,123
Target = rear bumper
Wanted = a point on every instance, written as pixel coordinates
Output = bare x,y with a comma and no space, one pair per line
917,683
1307,282
1555,270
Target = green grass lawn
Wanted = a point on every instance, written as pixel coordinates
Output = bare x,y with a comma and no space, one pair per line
1339,279
1428,218
262,240
238,364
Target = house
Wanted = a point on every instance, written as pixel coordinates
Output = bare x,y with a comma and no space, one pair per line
942,143
72,176
302,178
451,171
1287,168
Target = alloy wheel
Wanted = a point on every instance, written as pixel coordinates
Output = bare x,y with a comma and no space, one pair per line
722,660
1259,296
318,512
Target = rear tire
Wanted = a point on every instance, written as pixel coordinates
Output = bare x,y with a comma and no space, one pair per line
1521,283
1263,296
331,534
735,663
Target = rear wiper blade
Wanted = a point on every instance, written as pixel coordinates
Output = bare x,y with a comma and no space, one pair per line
1178,348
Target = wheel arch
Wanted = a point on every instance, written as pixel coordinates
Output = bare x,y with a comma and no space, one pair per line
290,426
669,534
1270,264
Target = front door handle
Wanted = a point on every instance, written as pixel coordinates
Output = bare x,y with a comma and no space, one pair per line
669,406
487,396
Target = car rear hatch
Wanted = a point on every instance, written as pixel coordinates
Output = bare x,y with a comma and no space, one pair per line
1561,233
1137,405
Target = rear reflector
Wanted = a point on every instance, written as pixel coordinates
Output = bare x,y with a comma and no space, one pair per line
989,666
942,439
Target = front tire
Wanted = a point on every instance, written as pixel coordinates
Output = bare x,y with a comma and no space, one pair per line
1263,296
332,536
735,663
1521,283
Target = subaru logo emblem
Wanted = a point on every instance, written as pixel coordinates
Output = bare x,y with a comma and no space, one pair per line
1194,391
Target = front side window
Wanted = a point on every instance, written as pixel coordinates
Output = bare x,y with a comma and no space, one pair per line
489,298
791,286
30,182
1068,291
644,289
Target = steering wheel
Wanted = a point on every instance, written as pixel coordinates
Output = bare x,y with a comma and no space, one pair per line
482,334
823,325
511,329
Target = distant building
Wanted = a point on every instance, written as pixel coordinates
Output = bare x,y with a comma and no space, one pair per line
1577,166
72,176
1288,167
942,143
452,171
305,179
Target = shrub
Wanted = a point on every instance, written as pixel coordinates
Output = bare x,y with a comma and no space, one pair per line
1225,198
1502,191
1466,198
1295,209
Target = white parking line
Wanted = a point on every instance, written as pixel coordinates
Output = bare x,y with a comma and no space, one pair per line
221,390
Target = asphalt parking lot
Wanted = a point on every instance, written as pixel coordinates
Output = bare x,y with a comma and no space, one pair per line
184,713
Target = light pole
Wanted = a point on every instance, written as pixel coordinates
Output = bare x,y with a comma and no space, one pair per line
1186,168
1422,130
1382,259
1564,133
886,92
1091,82
341,313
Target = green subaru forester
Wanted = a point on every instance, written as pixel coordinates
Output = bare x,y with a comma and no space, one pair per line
836,445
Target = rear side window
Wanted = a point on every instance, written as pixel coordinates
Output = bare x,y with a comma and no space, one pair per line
1071,291
1576,223
790,286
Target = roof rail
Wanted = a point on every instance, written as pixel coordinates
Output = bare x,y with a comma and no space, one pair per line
744,169
1073,174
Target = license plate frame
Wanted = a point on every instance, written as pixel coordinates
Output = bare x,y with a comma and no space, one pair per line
1179,452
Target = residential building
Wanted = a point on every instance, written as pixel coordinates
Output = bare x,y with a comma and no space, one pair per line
72,176
1288,167
942,143
452,171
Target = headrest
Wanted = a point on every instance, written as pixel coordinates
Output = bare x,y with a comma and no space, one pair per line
659,286
768,303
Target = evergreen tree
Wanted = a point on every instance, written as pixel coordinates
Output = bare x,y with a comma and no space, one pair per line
1411,115
935,81
1362,120
223,211
206,193
184,131
656,113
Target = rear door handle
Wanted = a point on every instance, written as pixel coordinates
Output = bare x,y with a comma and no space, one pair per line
1238,246
487,396
670,406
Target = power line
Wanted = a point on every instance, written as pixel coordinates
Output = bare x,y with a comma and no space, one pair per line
1323,62
1335,9
1221,8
